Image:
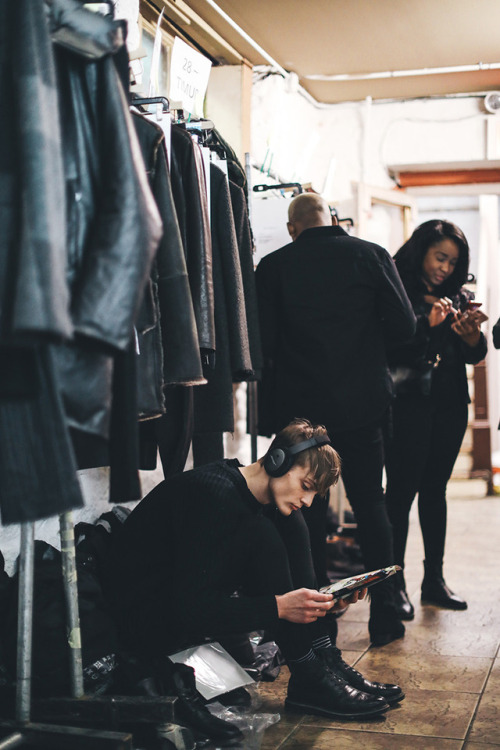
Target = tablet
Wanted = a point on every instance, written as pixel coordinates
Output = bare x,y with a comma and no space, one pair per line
345,587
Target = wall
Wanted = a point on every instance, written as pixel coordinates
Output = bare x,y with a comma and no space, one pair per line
336,147
339,145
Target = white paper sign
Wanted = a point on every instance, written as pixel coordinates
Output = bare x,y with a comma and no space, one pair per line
189,74
154,76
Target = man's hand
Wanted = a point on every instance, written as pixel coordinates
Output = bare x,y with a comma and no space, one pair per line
306,605
303,605
352,599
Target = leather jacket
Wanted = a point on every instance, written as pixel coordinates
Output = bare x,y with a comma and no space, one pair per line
168,342
113,225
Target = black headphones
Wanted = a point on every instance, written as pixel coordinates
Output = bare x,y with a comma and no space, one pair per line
278,461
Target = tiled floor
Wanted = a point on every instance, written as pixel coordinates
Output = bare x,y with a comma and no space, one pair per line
448,663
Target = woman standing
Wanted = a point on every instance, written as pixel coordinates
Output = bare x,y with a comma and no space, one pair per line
431,405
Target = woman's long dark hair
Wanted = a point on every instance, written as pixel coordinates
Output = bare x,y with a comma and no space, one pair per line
410,257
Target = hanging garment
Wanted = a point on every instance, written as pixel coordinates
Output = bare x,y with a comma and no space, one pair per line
245,249
192,210
213,404
34,299
173,307
37,466
113,231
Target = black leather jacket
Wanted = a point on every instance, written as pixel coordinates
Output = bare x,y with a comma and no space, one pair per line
113,225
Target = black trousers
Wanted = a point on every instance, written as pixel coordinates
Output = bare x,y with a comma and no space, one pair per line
426,440
362,454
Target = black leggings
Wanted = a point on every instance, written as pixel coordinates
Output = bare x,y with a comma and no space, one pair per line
426,440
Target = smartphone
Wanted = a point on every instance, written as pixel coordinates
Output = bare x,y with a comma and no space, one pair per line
472,305
480,316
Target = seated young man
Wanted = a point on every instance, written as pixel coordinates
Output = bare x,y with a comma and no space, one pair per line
203,535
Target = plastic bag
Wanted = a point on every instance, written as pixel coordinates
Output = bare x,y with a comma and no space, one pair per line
216,672
267,662
252,725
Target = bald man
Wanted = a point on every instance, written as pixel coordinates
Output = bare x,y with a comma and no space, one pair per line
329,306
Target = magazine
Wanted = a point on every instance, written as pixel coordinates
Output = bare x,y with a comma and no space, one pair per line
345,587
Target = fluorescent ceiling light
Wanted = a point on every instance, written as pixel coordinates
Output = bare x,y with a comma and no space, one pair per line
403,73
247,38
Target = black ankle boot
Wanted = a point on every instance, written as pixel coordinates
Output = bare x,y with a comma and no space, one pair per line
435,591
191,711
404,607
314,689
332,657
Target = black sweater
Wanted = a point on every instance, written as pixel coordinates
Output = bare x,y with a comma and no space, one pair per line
183,552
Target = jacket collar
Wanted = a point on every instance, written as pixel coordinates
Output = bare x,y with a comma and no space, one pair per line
316,232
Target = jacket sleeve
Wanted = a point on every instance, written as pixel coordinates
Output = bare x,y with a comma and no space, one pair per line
394,307
474,354
496,334
267,300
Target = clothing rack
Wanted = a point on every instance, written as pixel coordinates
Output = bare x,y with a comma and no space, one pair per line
94,710
139,101
280,186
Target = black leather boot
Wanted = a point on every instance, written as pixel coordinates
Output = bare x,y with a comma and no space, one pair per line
435,591
191,711
332,657
404,607
314,689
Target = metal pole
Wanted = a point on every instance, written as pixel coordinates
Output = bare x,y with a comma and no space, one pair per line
71,594
25,622
252,385
12,741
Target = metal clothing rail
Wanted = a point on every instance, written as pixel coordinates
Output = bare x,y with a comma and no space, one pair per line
22,730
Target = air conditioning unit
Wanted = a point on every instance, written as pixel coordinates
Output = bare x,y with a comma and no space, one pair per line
492,102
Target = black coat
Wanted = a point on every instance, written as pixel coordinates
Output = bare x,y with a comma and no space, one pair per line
329,304
168,346
213,403
187,175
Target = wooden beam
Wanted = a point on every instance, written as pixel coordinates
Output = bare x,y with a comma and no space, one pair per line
447,177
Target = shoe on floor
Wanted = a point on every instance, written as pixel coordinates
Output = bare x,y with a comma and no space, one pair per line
314,689
332,657
437,592
384,629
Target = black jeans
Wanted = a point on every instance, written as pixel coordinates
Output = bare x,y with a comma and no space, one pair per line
426,440
362,454
275,572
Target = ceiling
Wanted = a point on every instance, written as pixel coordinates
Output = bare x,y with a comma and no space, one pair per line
359,37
